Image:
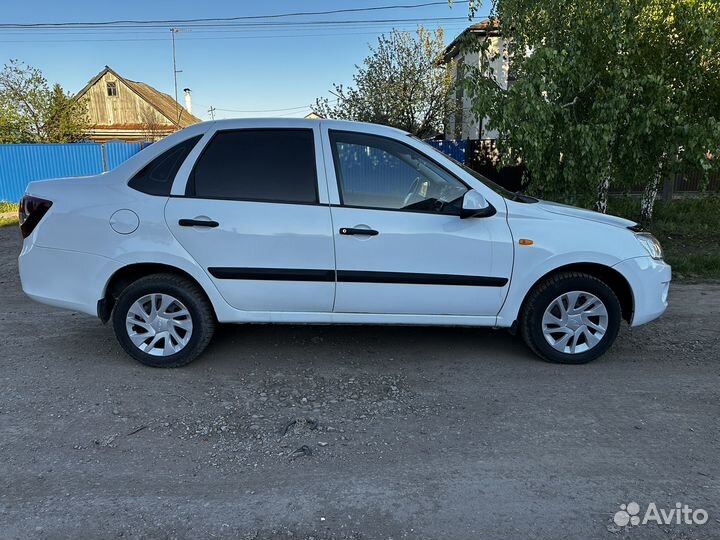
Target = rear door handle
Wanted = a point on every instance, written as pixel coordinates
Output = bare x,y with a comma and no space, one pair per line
351,230
198,223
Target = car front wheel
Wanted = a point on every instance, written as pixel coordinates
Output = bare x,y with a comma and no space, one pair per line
163,320
570,318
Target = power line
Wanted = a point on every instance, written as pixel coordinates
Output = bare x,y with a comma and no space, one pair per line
302,107
368,24
257,25
244,27
198,38
180,22
267,110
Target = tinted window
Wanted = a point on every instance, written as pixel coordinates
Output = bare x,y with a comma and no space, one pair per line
156,177
258,165
377,172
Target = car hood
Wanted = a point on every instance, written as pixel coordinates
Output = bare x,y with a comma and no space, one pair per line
581,213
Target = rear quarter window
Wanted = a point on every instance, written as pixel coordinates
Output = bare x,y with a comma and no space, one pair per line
156,178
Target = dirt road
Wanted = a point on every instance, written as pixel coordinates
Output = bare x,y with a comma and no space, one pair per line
353,432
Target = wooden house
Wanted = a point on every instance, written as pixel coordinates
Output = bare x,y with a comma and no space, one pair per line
119,108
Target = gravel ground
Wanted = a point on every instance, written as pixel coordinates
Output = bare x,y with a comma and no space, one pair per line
353,432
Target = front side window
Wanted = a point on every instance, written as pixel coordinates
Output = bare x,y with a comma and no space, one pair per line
377,172
273,165
157,177
112,89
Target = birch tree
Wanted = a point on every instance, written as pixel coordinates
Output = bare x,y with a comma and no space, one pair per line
609,93
401,84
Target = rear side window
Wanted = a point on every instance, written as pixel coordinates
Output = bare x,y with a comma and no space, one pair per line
276,165
157,177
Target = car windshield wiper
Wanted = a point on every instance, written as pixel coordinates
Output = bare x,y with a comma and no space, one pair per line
518,196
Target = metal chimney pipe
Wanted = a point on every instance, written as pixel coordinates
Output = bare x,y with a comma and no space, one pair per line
188,100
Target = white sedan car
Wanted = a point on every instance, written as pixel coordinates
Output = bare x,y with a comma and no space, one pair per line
327,222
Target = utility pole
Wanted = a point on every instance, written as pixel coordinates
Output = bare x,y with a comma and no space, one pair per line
174,31
212,110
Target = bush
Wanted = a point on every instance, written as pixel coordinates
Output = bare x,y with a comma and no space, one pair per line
688,229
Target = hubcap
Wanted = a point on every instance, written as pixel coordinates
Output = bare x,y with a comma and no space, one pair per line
575,322
159,324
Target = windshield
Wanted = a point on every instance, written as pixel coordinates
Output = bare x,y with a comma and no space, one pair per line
497,188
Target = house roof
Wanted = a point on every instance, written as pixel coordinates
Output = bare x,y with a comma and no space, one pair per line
165,105
485,28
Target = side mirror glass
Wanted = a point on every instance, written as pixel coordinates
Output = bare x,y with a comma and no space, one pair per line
475,205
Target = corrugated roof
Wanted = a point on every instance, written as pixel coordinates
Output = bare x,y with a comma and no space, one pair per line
486,27
165,105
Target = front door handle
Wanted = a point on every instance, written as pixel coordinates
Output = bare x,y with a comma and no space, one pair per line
198,223
351,230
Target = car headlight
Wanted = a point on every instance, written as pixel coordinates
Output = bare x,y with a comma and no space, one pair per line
651,244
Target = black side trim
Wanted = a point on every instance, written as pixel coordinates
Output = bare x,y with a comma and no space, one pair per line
353,276
273,274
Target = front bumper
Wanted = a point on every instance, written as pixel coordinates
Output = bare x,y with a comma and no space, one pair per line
62,278
649,280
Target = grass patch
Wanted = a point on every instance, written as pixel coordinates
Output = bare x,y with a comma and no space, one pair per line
8,213
688,229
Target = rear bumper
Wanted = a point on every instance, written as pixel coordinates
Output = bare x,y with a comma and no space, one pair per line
62,278
650,283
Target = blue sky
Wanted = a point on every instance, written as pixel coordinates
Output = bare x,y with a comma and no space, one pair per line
239,69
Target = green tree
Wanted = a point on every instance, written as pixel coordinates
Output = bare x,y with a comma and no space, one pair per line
400,84
32,111
609,93
66,119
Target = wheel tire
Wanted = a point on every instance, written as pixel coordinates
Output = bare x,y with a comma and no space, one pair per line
545,293
200,310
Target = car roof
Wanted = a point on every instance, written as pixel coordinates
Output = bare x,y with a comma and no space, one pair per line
258,123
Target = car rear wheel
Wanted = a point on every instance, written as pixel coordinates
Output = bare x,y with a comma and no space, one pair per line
570,318
163,320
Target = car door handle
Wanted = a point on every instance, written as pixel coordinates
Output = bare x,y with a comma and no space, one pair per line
198,223
351,230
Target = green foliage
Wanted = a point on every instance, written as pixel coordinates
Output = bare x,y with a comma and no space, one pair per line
400,84
688,229
66,119
8,213
618,90
33,112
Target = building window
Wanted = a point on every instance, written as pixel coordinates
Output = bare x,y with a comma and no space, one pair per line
112,89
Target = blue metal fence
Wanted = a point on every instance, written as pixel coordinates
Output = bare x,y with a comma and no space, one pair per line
456,149
116,152
20,164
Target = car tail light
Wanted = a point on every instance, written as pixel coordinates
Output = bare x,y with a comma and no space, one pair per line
31,211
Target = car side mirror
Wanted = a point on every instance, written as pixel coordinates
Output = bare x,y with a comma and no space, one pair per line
475,205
